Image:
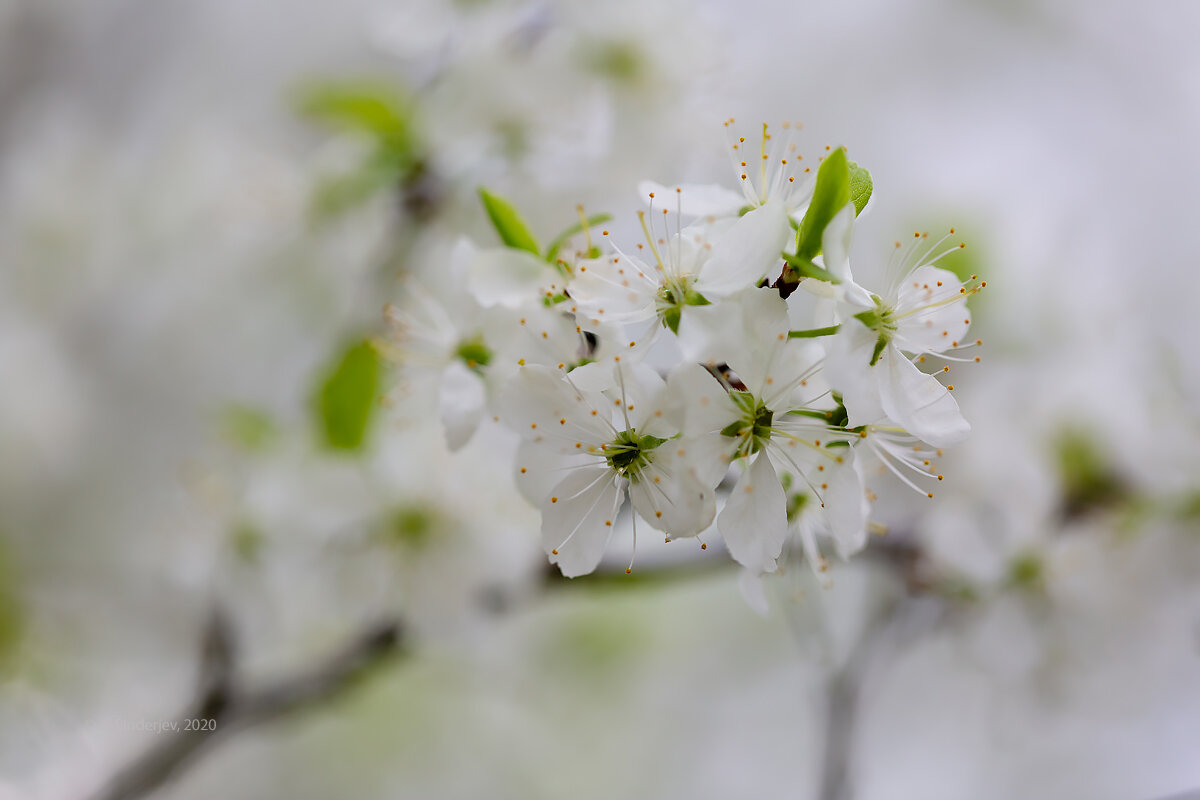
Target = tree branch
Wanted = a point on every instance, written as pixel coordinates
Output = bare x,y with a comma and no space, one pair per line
231,707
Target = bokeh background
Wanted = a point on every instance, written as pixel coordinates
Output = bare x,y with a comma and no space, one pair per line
193,229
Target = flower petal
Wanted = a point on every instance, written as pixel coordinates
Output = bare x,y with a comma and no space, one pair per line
932,327
749,250
846,506
461,401
918,402
614,289
578,519
835,243
754,520
670,498
848,370
694,199
540,405
506,277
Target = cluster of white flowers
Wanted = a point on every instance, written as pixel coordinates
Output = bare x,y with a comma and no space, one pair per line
556,344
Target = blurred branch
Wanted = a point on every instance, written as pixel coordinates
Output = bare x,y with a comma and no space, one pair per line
900,620
232,707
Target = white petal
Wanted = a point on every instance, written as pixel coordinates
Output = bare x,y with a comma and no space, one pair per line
750,584
933,327
835,243
703,401
920,403
539,404
806,529
696,200
506,277
846,505
624,291
461,402
578,519
848,370
706,332
671,498
754,520
539,467
746,253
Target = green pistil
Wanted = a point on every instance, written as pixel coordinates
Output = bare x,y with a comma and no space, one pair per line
754,427
474,353
630,453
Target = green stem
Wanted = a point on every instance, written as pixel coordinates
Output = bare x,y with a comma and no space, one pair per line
813,333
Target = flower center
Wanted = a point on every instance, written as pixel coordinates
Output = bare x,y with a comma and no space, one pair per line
754,426
474,353
882,320
673,295
630,453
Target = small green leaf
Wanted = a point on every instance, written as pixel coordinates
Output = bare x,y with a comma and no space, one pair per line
561,239
734,428
830,195
694,298
671,318
869,318
375,108
880,344
508,223
346,397
860,186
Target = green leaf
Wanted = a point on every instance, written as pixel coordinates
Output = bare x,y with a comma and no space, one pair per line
508,223
830,195
860,186
376,108
561,239
346,397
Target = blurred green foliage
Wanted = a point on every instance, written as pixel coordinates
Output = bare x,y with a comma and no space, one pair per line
379,112
1026,571
1088,479
247,541
346,397
414,524
249,428
619,61
11,617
